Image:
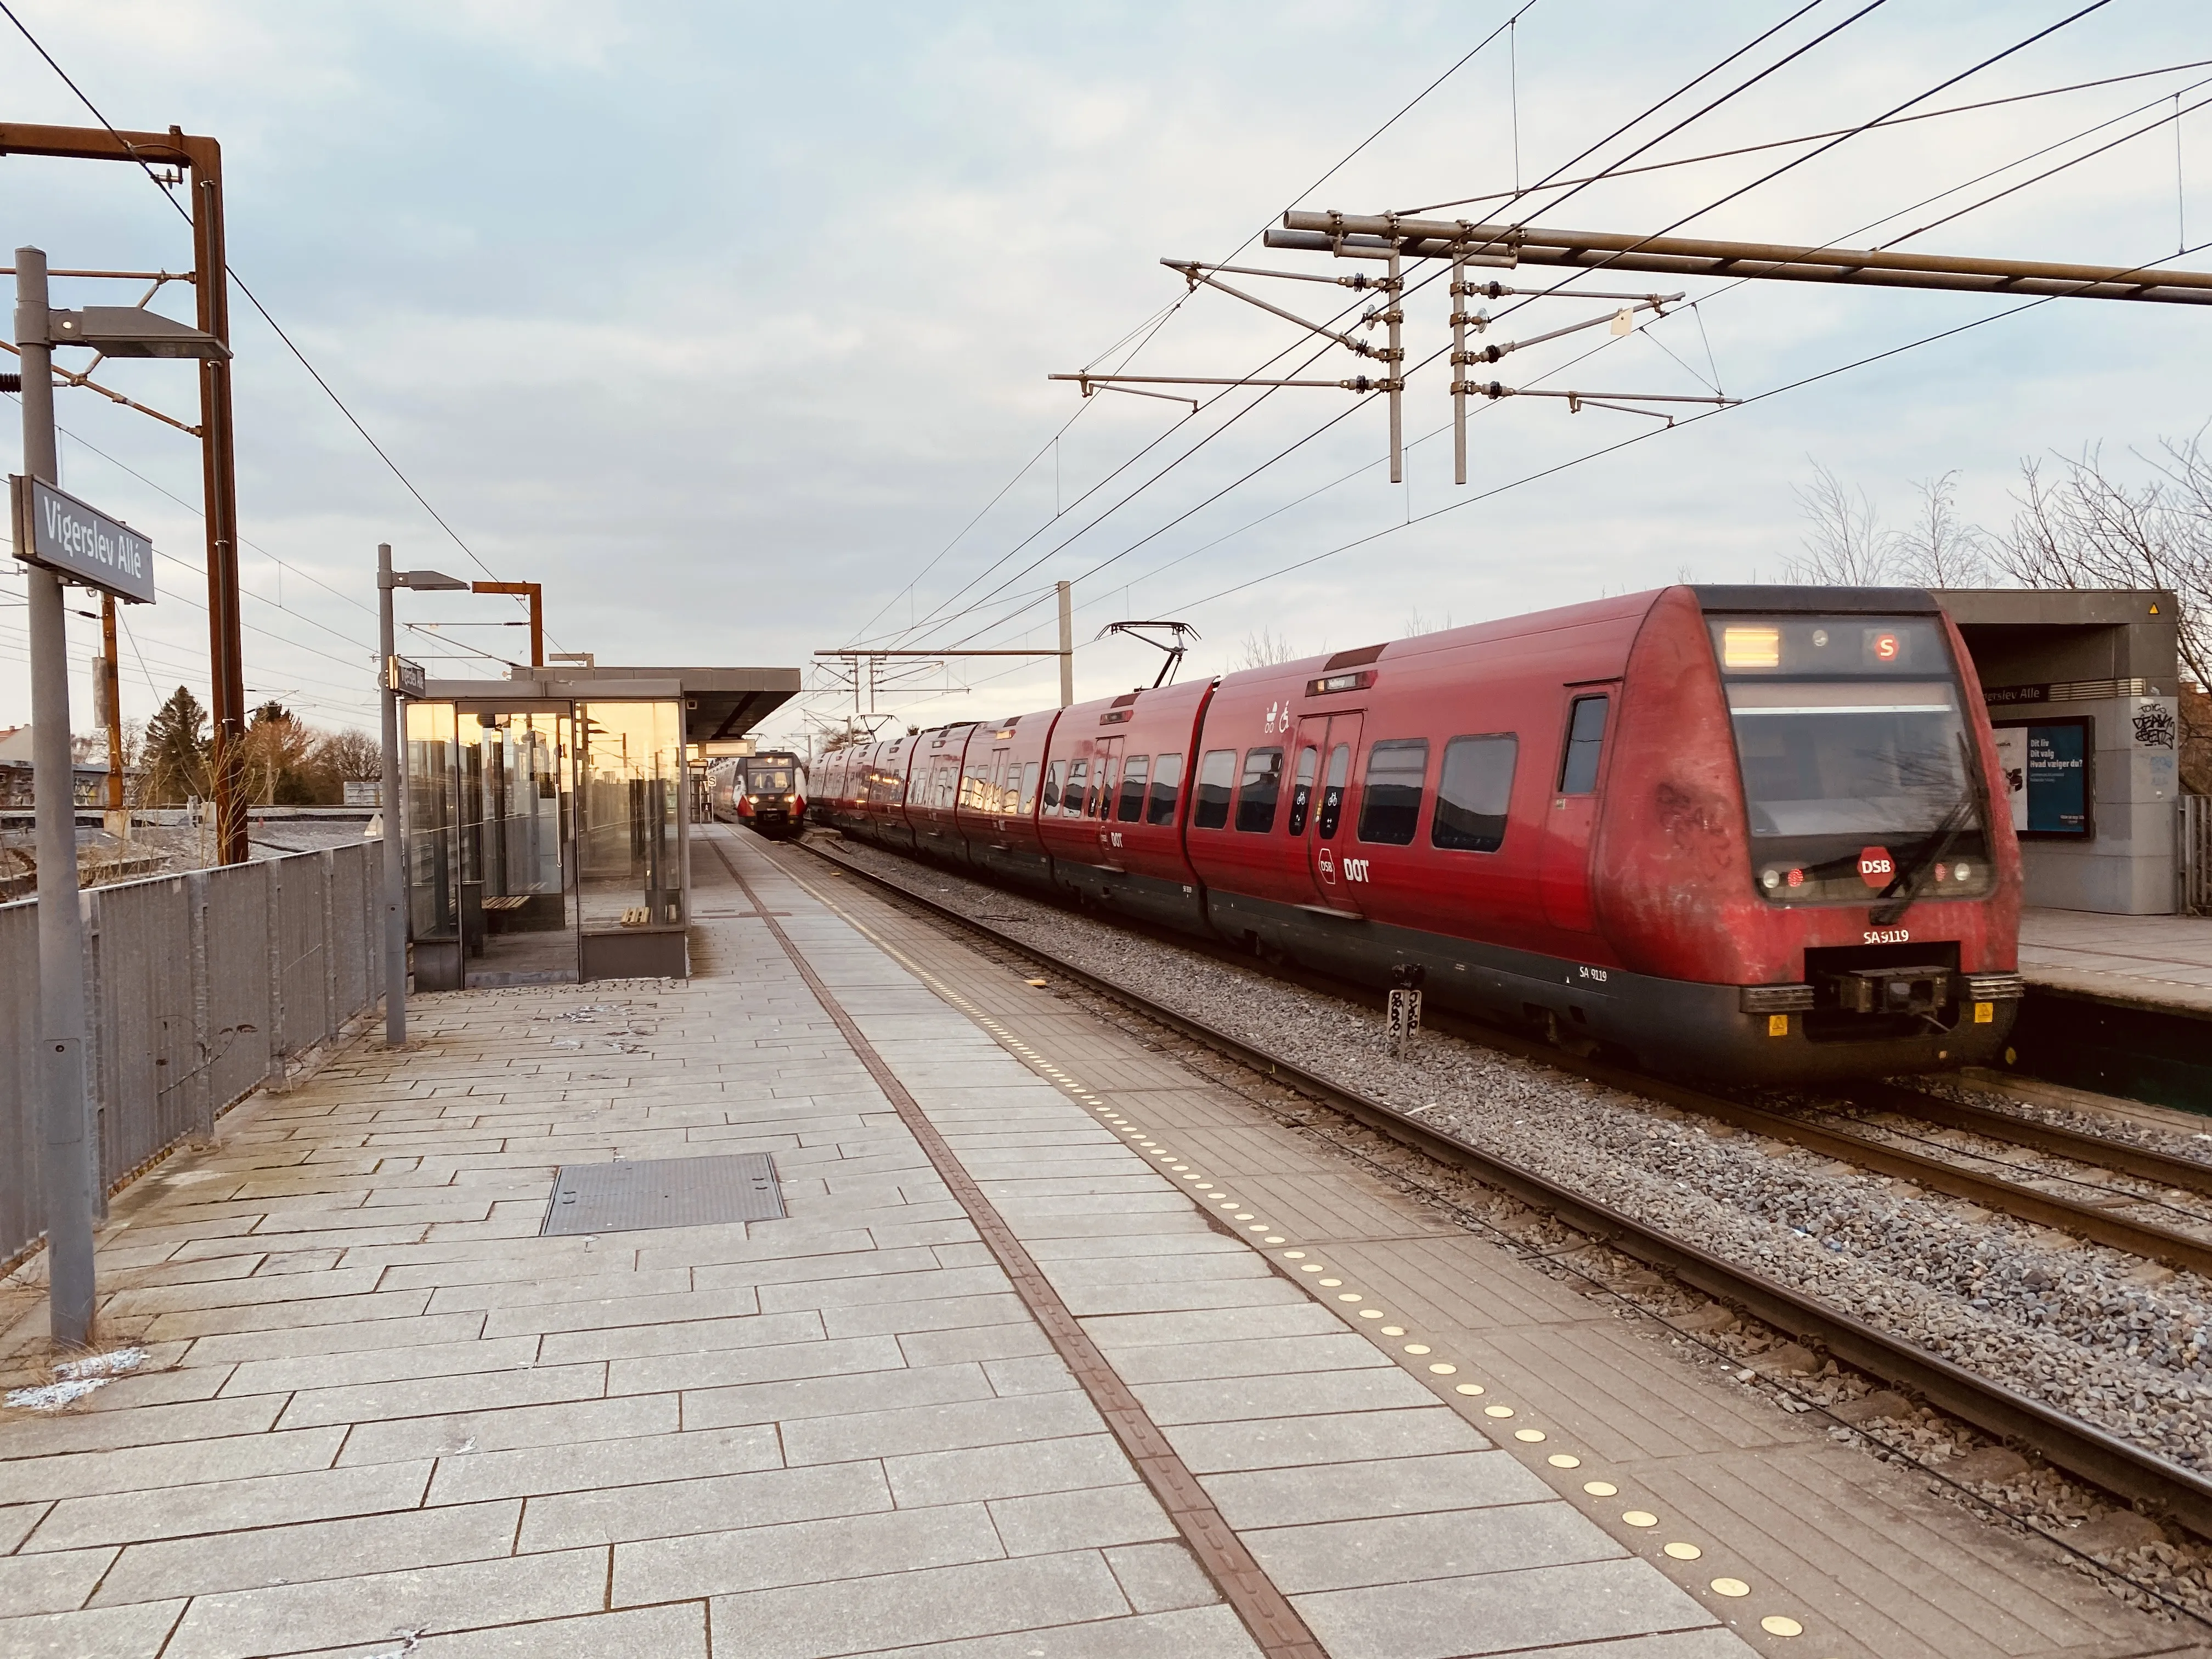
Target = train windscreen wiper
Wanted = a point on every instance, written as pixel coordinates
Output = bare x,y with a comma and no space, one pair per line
1904,886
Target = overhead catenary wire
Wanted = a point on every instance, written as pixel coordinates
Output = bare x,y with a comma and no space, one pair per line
252,299
1844,136
1704,74
1324,177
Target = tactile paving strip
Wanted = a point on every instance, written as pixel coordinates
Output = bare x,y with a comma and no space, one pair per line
1265,1611
638,1194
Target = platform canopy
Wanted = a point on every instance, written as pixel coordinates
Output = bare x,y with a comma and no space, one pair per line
719,703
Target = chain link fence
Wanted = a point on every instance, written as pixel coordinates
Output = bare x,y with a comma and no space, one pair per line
200,988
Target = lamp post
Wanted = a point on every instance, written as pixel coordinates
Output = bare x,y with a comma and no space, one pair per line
96,553
397,675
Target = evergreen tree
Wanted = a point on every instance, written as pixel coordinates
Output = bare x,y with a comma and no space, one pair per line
175,755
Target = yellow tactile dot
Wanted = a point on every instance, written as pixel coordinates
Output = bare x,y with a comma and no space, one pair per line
1417,1347
1684,1551
1563,1460
1345,1295
1274,1238
1179,1169
1780,1624
1313,1267
1532,1436
1243,1215
1730,1587
1639,1518
1393,1330
1332,1281
1443,1371
1498,1410
1467,1388
1294,1255
1600,1489
1370,1313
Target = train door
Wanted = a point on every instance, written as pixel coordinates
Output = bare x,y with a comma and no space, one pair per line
1105,772
1321,785
1562,875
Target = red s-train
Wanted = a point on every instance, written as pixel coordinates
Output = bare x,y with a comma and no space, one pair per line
1743,833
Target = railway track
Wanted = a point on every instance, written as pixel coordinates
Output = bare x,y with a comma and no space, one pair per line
2103,1460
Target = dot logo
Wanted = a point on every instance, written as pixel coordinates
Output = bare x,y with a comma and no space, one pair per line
1876,866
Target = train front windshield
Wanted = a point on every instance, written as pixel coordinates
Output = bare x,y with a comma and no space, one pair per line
771,780
1859,769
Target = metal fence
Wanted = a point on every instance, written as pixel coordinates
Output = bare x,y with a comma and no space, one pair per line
2196,854
200,989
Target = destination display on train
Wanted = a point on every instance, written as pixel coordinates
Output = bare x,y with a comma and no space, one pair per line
80,543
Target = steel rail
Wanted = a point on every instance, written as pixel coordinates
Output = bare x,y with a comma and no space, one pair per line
2188,1174
2116,1465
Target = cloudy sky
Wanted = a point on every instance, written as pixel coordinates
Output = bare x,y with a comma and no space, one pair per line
730,323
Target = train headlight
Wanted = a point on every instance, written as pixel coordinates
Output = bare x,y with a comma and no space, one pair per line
1751,647
1770,879
1961,869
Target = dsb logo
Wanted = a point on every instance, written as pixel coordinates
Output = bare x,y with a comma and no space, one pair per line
1876,866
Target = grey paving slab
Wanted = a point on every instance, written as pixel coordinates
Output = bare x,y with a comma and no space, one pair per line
1088,1518
684,1336
1160,1577
618,1514
1195,1633
179,1512
521,1425
1407,1548
132,1633
1394,1486
1226,1400
1021,1469
16,1521
374,1402
241,1624
591,1464
1211,1448
992,1422
864,1615
143,1468
803,1553
1499,1612
51,1583
668,1632
355,1546
1337,1349
712,1369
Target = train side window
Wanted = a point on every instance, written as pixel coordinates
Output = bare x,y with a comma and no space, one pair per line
1301,789
1029,787
1102,792
1391,804
1133,773
1257,790
1332,790
1216,772
948,780
1473,793
1071,799
1052,787
1167,776
1585,742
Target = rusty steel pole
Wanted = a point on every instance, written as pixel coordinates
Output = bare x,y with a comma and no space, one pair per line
202,158
535,593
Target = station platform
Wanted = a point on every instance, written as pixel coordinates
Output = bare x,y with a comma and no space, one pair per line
2154,961
1056,1353
2119,1004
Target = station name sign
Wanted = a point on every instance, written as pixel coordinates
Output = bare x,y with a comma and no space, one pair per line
79,542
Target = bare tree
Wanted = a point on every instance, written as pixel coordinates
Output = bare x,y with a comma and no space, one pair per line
1846,545
351,755
2084,528
1940,549
1264,649
1419,622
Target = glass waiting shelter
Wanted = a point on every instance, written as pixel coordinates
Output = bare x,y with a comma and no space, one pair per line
546,833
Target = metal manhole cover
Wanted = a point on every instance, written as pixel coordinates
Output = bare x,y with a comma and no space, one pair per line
637,1194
